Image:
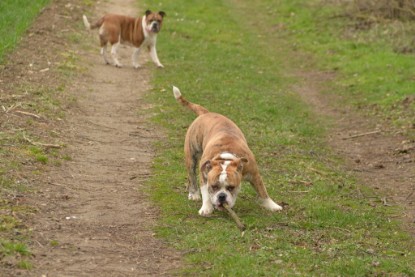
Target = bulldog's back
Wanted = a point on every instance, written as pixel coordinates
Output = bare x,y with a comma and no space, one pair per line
215,133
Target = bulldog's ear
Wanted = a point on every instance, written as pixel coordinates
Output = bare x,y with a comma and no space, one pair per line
241,163
163,14
148,12
206,167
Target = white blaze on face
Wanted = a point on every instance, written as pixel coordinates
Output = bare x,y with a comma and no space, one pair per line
223,174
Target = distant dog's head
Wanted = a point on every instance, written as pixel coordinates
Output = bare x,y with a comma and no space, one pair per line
154,21
223,176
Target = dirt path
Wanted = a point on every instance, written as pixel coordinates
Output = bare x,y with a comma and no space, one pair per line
380,156
95,219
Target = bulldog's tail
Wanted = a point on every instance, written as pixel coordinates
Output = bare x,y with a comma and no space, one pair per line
197,109
88,26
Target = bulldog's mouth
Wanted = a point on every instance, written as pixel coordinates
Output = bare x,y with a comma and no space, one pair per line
153,28
220,206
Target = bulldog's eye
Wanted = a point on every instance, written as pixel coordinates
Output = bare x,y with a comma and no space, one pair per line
229,188
215,187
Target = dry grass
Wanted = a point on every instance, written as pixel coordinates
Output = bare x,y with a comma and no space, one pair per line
386,9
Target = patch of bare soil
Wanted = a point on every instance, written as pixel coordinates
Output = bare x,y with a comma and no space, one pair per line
93,218
380,156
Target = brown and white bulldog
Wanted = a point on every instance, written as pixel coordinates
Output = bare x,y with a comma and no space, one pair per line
225,160
138,32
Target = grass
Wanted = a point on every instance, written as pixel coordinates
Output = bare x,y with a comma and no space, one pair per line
375,72
223,57
15,18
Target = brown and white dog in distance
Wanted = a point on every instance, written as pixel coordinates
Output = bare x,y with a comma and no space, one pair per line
224,159
139,32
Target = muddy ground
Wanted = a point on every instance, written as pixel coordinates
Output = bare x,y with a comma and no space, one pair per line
92,217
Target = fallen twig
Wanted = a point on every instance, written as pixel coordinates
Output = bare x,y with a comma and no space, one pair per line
8,98
318,171
410,194
306,183
384,202
41,144
235,217
342,229
12,107
29,114
363,134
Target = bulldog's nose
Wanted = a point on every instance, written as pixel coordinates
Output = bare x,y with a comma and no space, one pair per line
222,198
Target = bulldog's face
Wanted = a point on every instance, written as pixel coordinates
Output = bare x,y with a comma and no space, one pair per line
154,21
223,178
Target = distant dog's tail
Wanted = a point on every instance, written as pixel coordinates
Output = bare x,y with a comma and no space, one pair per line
197,109
89,26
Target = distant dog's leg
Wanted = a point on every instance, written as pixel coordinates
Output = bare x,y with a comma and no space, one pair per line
136,53
104,54
114,54
154,57
103,42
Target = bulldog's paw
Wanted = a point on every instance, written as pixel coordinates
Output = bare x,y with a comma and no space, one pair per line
136,66
160,65
271,205
206,210
194,196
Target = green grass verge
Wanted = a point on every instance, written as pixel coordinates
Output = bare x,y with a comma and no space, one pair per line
218,54
15,17
375,66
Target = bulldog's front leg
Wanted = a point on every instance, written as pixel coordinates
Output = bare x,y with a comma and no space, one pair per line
269,204
265,200
207,207
154,57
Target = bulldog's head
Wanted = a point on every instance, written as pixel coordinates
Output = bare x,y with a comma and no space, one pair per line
223,176
154,21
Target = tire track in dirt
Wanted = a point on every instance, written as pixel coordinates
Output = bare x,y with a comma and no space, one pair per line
381,157
95,219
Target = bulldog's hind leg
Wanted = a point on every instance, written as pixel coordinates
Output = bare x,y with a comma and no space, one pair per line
104,54
114,49
192,187
103,42
134,57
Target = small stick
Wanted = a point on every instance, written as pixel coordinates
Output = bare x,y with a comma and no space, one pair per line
363,134
235,217
41,144
12,107
306,183
29,114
